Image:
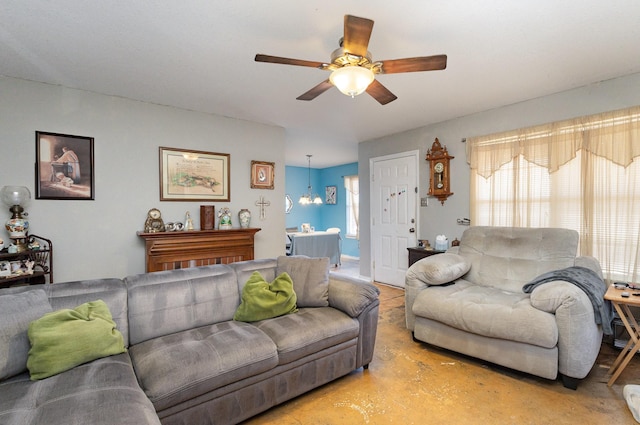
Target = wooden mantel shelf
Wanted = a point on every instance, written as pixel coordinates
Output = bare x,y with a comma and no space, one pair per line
182,249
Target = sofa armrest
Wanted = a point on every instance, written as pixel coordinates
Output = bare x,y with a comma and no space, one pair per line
436,269
579,337
351,295
359,299
412,287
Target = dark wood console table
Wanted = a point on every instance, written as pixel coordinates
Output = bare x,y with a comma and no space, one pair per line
418,253
183,249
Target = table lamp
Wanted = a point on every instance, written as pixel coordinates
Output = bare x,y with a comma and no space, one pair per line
16,197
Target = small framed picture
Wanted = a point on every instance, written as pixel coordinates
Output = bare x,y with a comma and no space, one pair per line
16,267
64,166
331,195
262,174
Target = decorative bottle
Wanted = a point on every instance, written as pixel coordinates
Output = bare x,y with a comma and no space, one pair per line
244,215
224,219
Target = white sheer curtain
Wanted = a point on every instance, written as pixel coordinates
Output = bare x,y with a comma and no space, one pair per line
582,174
352,185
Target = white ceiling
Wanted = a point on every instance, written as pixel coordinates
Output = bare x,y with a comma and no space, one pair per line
199,55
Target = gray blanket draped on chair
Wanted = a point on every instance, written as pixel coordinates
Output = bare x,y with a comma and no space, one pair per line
589,282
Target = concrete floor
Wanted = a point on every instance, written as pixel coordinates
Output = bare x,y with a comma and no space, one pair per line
413,383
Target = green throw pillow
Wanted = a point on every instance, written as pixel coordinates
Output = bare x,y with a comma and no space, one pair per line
66,338
263,300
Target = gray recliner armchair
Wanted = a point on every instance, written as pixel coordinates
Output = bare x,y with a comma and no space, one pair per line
471,300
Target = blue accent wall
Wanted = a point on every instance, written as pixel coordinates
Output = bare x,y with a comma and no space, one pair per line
322,216
296,182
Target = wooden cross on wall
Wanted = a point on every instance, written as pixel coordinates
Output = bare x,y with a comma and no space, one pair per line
262,204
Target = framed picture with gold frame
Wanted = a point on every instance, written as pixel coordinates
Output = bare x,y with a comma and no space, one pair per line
262,174
188,175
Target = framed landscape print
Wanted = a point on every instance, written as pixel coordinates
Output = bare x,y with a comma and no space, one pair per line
262,174
64,166
188,175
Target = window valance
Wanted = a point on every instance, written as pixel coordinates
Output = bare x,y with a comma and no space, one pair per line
611,135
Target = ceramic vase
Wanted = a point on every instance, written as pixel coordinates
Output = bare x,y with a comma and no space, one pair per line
244,216
17,227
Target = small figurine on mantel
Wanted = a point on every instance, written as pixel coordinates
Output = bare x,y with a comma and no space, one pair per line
224,219
188,222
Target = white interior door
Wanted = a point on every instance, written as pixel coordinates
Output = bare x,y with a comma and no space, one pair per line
393,215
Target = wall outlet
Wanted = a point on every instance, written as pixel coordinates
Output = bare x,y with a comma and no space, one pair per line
424,202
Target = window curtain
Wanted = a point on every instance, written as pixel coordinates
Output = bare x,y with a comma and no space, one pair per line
582,174
352,186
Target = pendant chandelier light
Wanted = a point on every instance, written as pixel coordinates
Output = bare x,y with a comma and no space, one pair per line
307,198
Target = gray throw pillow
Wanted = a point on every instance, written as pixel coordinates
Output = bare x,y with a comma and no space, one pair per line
16,312
310,278
439,269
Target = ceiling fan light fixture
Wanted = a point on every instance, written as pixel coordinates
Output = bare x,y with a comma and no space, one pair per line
352,80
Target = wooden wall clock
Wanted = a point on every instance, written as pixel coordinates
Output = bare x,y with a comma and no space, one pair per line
440,179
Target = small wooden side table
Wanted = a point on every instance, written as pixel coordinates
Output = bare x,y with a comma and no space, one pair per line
418,253
621,304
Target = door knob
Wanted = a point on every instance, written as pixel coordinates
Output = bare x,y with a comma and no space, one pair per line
412,230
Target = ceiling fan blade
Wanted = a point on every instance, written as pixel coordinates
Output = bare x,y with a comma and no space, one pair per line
357,32
316,91
425,63
380,93
288,61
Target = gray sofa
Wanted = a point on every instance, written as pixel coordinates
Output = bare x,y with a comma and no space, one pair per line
471,300
188,361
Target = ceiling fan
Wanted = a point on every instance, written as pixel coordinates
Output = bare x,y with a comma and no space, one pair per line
353,70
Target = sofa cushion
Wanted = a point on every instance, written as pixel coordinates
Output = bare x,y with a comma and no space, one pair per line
71,294
488,312
110,290
102,392
509,257
439,269
244,269
263,300
310,278
178,367
315,330
66,338
16,312
166,302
